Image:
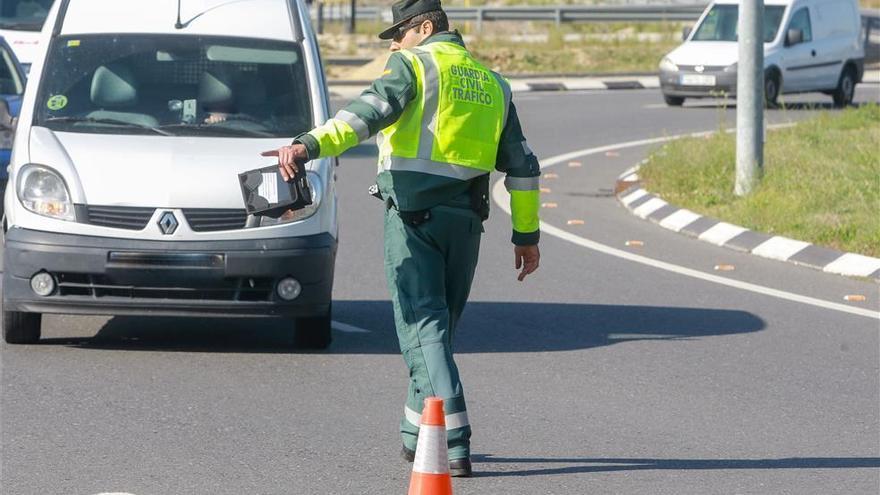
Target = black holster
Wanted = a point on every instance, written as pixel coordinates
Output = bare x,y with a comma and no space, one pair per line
480,196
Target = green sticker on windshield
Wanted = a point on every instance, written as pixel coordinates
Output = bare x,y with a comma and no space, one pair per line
57,102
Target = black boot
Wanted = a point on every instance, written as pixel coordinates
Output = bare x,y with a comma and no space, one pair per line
408,455
460,468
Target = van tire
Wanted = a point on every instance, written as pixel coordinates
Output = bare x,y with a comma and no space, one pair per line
313,332
673,101
21,328
846,88
772,89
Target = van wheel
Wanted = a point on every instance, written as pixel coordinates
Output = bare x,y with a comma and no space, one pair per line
771,90
21,328
313,332
673,101
846,88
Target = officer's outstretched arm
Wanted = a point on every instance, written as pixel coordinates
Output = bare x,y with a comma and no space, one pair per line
377,108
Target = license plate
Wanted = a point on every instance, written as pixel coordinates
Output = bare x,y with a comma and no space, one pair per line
697,80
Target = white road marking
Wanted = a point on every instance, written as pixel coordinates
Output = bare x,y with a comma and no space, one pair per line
344,327
654,106
633,196
720,233
679,220
853,264
501,198
584,84
650,206
779,248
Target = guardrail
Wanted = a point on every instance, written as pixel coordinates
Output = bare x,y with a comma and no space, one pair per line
681,12
557,14
675,12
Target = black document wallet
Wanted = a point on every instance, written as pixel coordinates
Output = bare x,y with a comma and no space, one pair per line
266,193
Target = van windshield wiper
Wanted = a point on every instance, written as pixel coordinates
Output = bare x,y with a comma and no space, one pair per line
219,129
121,123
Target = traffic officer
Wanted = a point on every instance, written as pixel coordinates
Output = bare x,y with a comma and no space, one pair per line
444,122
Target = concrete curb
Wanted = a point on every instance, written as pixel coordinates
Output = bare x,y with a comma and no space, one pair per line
351,89
648,206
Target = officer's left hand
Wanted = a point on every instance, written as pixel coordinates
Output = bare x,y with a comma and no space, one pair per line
287,158
527,258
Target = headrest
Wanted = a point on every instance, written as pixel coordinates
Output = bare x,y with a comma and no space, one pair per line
114,85
215,91
250,91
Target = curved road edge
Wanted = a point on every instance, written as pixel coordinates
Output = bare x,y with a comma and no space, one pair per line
501,199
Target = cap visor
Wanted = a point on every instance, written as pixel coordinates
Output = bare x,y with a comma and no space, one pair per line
389,33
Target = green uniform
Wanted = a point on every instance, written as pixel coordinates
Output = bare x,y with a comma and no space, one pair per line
443,120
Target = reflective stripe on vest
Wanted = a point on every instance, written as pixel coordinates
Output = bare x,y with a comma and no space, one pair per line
453,126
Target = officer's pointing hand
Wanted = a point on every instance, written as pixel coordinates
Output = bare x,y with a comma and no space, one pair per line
287,158
527,258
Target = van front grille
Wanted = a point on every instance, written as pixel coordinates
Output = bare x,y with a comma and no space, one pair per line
212,220
229,289
706,68
117,217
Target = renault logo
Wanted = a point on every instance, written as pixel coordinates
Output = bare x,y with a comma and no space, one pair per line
699,68
168,223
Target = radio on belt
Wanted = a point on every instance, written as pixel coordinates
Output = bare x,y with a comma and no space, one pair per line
266,193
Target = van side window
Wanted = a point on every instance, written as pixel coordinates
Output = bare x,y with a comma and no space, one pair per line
801,20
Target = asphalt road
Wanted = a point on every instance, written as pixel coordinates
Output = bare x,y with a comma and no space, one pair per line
595,375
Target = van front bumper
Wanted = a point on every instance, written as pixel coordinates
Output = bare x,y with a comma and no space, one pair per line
671,84
96,275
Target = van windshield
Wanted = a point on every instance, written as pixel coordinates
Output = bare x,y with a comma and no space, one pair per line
175,85
24,15
720,24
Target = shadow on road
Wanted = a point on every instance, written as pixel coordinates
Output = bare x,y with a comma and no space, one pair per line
485,327
782,107
590,465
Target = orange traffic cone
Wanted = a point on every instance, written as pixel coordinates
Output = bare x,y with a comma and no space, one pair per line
430,473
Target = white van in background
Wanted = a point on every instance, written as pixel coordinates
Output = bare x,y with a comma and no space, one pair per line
20,24
123,195
809,45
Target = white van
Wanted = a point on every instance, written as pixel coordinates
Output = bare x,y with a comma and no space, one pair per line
809,45
124,196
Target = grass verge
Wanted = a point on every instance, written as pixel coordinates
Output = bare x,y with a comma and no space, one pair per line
821,180
535,48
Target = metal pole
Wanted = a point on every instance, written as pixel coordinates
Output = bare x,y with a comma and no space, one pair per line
320,16
351,20
750,97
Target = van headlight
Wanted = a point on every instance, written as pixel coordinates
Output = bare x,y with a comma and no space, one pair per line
43,191
666,65
295,216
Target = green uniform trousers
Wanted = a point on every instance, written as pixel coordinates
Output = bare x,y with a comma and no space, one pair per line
429,270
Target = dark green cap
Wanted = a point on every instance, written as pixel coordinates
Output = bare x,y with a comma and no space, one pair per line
404,10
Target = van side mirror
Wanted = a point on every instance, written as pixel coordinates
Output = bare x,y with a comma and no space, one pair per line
793,37
685,33
6,119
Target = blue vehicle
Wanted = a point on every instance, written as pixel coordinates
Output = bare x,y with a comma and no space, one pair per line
12,81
